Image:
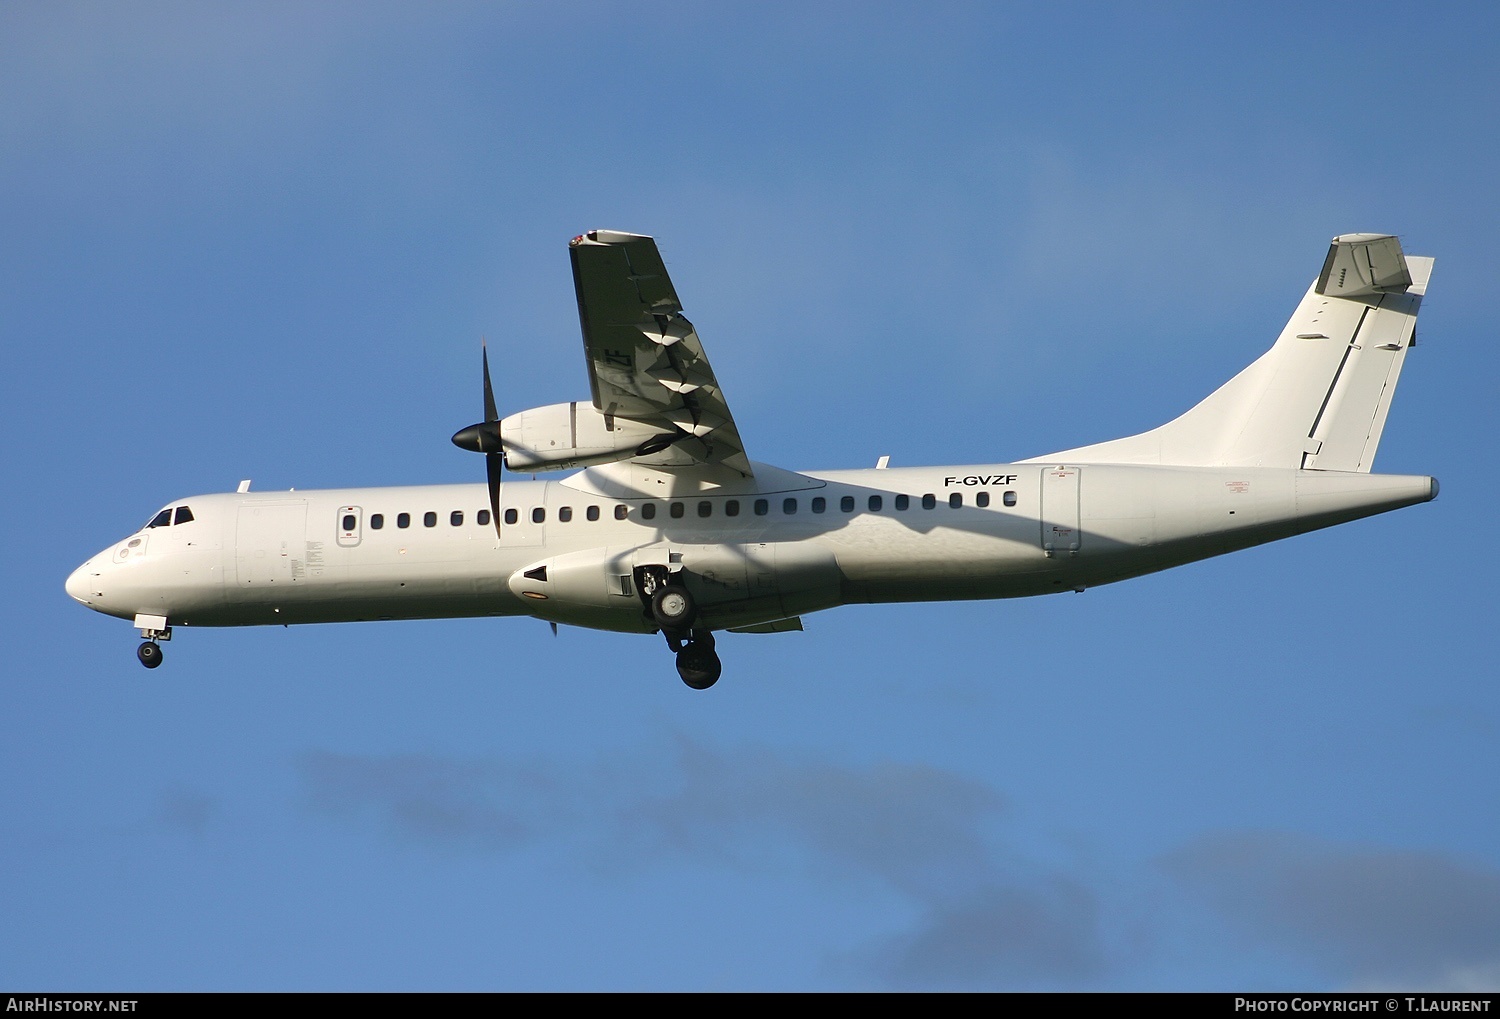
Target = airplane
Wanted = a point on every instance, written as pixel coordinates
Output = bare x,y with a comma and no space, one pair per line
665,525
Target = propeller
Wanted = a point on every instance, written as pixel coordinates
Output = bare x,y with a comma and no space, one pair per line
484,437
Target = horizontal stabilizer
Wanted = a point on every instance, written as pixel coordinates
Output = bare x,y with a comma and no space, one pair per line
1359,265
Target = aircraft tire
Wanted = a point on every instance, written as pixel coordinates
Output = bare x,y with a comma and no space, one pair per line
149,653
673,607
699,666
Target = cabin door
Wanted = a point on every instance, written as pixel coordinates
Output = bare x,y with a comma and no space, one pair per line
1060,492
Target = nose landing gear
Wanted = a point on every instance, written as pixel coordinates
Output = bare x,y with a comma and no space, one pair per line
153,629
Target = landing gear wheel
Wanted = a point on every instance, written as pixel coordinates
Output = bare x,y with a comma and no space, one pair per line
699,666
149,653
673,607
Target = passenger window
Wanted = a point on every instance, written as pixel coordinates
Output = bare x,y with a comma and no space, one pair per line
847,504
184,515
482,518
429,519
1010,499
762,507
819,504
648,511
403,519
377,521
592,512
732,508
511,516
789,506
876,502
676,510
456,518
564,514
982,500
162,519
538,515
929,501
955,500
705,508
348,522
621,512
903,501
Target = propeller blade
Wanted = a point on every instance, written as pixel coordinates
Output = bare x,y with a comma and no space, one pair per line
493,464
490,414
485,438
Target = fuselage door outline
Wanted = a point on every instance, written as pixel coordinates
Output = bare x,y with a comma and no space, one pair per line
348,525
1059,511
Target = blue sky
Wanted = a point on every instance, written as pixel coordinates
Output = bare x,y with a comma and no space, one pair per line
264,240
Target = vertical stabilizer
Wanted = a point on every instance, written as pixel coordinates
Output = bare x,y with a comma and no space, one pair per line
1318,399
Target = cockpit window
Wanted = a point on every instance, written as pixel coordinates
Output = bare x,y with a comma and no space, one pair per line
183,515
162,519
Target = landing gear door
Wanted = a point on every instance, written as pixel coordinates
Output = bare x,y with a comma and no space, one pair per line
1061,536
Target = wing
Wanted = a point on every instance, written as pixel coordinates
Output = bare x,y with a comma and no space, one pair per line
645,360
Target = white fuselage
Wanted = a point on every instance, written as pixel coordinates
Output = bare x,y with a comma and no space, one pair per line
752,551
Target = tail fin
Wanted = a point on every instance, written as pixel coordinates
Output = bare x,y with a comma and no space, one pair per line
1318,399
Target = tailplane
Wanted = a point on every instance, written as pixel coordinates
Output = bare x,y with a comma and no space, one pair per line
1318,399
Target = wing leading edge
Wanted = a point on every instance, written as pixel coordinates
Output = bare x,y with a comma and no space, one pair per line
645,360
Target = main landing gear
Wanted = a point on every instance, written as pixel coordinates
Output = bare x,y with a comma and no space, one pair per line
149,653
697,662
673,609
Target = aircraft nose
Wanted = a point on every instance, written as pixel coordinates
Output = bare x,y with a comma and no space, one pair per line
77,585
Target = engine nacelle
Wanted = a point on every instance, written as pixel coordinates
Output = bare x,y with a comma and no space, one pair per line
567,435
